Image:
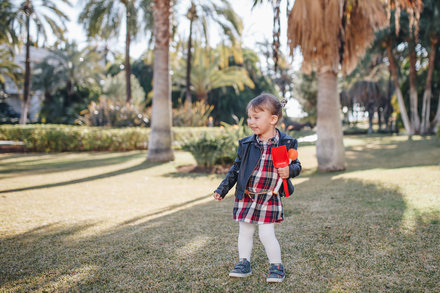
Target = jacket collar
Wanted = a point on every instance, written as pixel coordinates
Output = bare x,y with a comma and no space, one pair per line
253,138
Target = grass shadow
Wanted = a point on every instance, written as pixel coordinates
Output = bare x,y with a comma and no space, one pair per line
339,234
142,166
48,165
397,154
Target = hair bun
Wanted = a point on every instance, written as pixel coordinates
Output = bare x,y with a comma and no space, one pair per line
284,102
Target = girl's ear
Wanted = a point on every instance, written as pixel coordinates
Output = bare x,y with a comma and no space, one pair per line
274,120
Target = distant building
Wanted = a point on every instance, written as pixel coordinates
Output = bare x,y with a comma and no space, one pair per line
14,95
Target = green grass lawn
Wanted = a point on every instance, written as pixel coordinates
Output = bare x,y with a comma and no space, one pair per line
113,222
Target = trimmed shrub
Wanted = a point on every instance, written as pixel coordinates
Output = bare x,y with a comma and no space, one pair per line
209,149
69,138
61,138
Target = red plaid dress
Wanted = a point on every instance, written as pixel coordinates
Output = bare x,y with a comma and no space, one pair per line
264,207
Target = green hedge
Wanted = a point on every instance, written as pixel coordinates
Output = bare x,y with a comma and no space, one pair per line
61,138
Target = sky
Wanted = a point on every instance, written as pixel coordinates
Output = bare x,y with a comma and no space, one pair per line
257,27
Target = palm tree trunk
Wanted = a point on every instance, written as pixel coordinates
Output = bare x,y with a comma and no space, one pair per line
159,148
188,99
330,145
413,98
27,72
403,112
127,58
426,107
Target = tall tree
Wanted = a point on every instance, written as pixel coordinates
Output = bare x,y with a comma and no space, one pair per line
104,18
208,74
430,37
199,14
332,34
36,16
159,147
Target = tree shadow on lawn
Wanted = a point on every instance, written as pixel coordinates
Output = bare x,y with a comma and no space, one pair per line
397,154
142,166
339,234
47,165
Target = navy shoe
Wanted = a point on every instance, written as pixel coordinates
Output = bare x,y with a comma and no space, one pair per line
276,273
241,269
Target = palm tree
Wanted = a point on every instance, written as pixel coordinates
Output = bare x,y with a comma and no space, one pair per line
159,147
35,16
104,18
332,35
8,34
208,74
9,69
68,67
200,13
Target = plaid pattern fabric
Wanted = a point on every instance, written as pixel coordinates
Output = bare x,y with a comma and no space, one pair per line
260,209
264,207
264,177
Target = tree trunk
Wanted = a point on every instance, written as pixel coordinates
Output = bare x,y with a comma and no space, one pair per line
403,112
330,145
159,148
188,99
127,59
27,72
426,107
435,123
413,97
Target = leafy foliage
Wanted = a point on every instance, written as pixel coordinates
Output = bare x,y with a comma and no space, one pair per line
65,109
114,90
199,115
209,149
60,138
113,114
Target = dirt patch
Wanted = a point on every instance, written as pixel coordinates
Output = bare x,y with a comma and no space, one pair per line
217,169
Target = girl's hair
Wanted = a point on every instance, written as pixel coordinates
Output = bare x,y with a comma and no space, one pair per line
267,102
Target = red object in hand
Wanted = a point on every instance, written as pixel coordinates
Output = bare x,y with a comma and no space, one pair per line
280,160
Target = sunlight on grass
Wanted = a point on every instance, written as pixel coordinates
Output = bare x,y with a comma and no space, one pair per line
419,187
113,222
193,246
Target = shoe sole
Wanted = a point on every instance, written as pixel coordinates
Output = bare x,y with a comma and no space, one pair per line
273,280
238,275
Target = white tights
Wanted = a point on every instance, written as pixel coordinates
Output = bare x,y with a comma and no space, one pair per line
267,237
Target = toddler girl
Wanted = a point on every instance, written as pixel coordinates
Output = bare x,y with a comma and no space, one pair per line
253,171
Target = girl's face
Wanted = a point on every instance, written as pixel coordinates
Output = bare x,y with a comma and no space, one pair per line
262,123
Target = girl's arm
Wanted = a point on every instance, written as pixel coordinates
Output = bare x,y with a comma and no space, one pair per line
231,176
295,166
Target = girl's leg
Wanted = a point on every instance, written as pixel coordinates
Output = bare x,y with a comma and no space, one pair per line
245,240
270,242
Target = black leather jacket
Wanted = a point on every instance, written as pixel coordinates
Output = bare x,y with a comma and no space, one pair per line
248,155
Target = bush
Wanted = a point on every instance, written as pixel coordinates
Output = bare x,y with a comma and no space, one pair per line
198,116
112,114
216,148
60,138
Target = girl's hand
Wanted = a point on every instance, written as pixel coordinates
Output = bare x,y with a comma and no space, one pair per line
283,172
217,196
